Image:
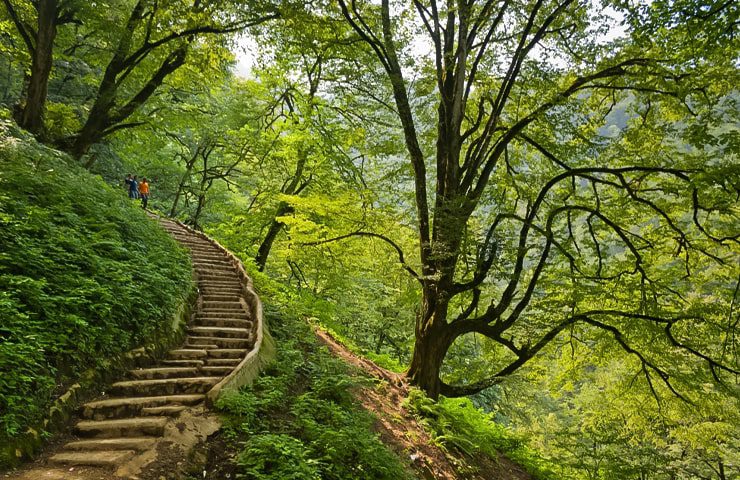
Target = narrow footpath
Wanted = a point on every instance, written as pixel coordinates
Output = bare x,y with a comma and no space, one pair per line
147,422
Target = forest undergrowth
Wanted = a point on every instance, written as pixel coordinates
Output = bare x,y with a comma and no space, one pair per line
331,414
299,420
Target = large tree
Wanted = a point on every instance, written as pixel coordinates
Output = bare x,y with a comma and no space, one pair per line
153,42
38,35
586,224
133,46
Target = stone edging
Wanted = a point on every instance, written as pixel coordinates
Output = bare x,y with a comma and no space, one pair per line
90,381
264,346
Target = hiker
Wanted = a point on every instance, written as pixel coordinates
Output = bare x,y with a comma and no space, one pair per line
144,192
127,182
133,191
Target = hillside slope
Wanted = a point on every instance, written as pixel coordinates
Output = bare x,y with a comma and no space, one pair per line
84,275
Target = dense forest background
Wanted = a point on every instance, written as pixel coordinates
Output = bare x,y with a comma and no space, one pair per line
532,204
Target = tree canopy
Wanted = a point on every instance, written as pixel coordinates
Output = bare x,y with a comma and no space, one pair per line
531,203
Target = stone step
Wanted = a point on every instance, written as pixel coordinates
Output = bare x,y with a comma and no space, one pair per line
227,273
216,270
225,277
223,362
204,247
166,410
213,322
188,237
209,256
227,314
204,346
221,370
214,258
216,282
100,458
123,443
182,363
224,322
213,314
163,372
164,386
196,243
206,253
200,260
200,246
220,297
231,305
238,321
228,353
223,262
127,427
224,332
209,343
185,232
232,293
132,406
186,354
234,289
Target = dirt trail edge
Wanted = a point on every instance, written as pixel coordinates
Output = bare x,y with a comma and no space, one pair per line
147,423
401,430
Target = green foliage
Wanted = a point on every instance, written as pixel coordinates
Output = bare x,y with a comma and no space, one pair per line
299,419
234,155
84,275
458,423
268,456
591,419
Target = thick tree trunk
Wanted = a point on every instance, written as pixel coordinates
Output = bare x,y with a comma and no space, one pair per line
89,135
195,219
284,208
433,338
31,117
434,334
181,186
272,233
430,348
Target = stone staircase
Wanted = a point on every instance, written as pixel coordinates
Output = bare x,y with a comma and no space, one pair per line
138,411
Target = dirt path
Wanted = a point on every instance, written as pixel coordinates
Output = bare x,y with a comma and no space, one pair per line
401,430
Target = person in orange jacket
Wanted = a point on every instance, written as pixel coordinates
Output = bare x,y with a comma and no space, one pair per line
144,192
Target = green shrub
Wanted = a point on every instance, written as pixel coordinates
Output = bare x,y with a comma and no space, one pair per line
278,457
458,423
84,275
299,419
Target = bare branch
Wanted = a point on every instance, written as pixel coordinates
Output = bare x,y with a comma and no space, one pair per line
358,233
